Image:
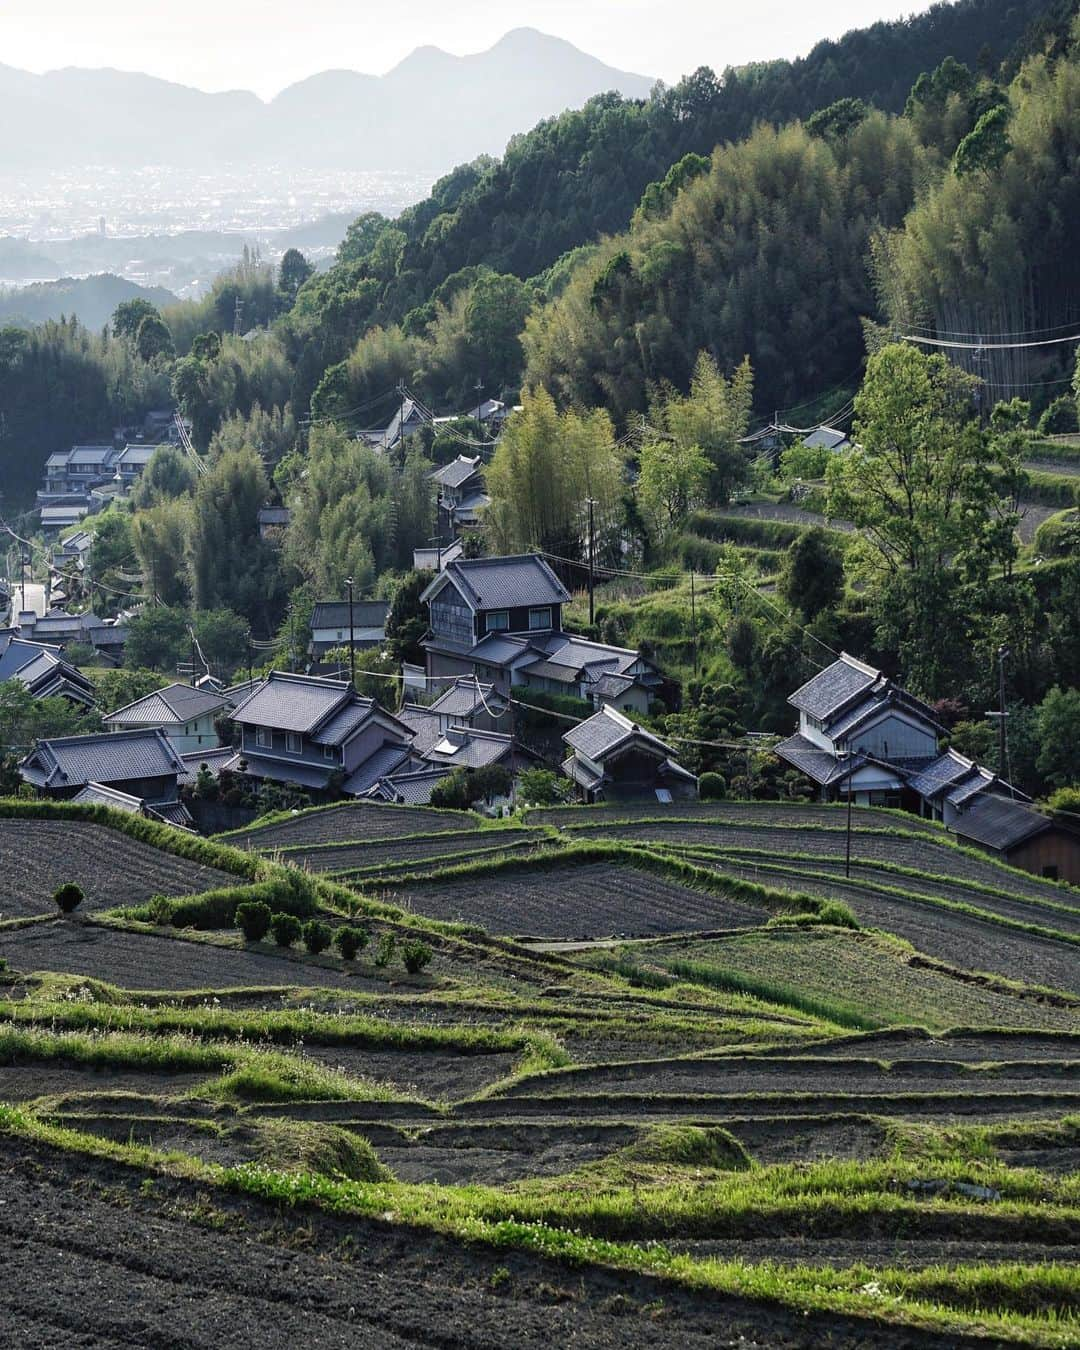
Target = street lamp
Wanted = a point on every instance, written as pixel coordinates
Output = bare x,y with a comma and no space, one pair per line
352,650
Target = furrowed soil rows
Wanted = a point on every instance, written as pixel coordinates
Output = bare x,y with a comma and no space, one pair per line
957,939
578,902
748,813
351,823
350,856
72,1225
781,842
146,961
37,856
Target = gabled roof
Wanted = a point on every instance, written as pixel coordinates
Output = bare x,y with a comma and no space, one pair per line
106,757
335,614
945,772
835,687
384,761
827,437
1000,823
424,723
976,781
466,697
412,789
97,794
17,652
289,702
138,454
502,583
458,471
174,705
608,730
462,747
215,760
91,454
429,559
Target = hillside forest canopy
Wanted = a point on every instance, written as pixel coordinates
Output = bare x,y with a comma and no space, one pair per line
649,282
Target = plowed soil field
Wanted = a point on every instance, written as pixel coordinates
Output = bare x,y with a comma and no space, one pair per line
37,856
351,822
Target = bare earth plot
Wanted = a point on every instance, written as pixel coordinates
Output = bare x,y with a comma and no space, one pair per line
746,813
150,1270
350,822
351,856
783,842
37,856
146,961
589,901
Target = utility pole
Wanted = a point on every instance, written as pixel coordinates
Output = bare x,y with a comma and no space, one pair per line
352,649
592,574
238,317
192,632
693,620
479,402
401,413
1003,716
250,680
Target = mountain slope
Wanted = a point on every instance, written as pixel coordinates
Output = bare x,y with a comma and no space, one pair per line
428,111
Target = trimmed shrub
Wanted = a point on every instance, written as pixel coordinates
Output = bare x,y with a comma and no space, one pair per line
292,894
1059,535
68,897
837,914
348,941
711,787
415,956
285,929
385,949
317,936
1060,418
253,920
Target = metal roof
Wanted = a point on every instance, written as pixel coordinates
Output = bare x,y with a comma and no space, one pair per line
503,583
289,702
106,757
174,705
1000,823
335,614
834,687
138,454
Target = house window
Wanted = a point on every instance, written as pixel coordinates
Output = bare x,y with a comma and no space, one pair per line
293,743
498,620
540,618
328,752
263,738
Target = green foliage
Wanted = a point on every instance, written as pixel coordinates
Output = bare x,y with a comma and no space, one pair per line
804,461
1065,799
68,897
25,719
657,198
169,474
464,788
542,787
317,936
349,941
711,787
406,619
385,949
1059,736
154,341
1059,536
984,147
416,956
129,315
218,908
157,638
839,119
285,929
812,578
1059,418
253,920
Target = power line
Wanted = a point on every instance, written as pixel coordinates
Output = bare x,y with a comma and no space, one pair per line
987,346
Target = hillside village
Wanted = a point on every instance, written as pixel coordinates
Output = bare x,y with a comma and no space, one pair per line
540,760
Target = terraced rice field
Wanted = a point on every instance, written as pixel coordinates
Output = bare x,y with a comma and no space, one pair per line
588,901
350,822
355,856
749,813
223,1144
37,856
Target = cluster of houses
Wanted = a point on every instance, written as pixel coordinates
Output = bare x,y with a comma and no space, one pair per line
83,480
861,736
495,641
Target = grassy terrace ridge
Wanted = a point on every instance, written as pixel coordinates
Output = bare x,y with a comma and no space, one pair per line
496,827
1023,1304
957,906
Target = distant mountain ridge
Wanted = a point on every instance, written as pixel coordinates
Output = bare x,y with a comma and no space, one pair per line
432,110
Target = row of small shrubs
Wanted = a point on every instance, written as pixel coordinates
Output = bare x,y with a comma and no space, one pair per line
289,893
257,921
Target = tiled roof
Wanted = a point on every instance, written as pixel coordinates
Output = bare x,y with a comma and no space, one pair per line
604,731
834,687
505,583
551,670
384,761
412,789
581,773
428,559
611,686
107,757
425,725
463,748
498,649
335,614
291,702
978,780
215,760
16,652
945,771
174,705
91,454
279,771
455,473
172,813
97,794
274,515
348,718
1000,823
138,454
470,506
464,698
828,437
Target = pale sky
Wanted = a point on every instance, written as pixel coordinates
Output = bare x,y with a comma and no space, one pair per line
253,44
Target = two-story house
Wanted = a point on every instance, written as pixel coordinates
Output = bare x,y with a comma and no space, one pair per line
306,730
39,667
860,733
184,714
131,463
486,615
462,499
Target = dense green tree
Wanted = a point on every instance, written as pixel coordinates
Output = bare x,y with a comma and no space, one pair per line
673,479
117,688
812,579
129,315
223,637
1059,736
157,639
169,474
407,619
293,270
154,340
161,536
